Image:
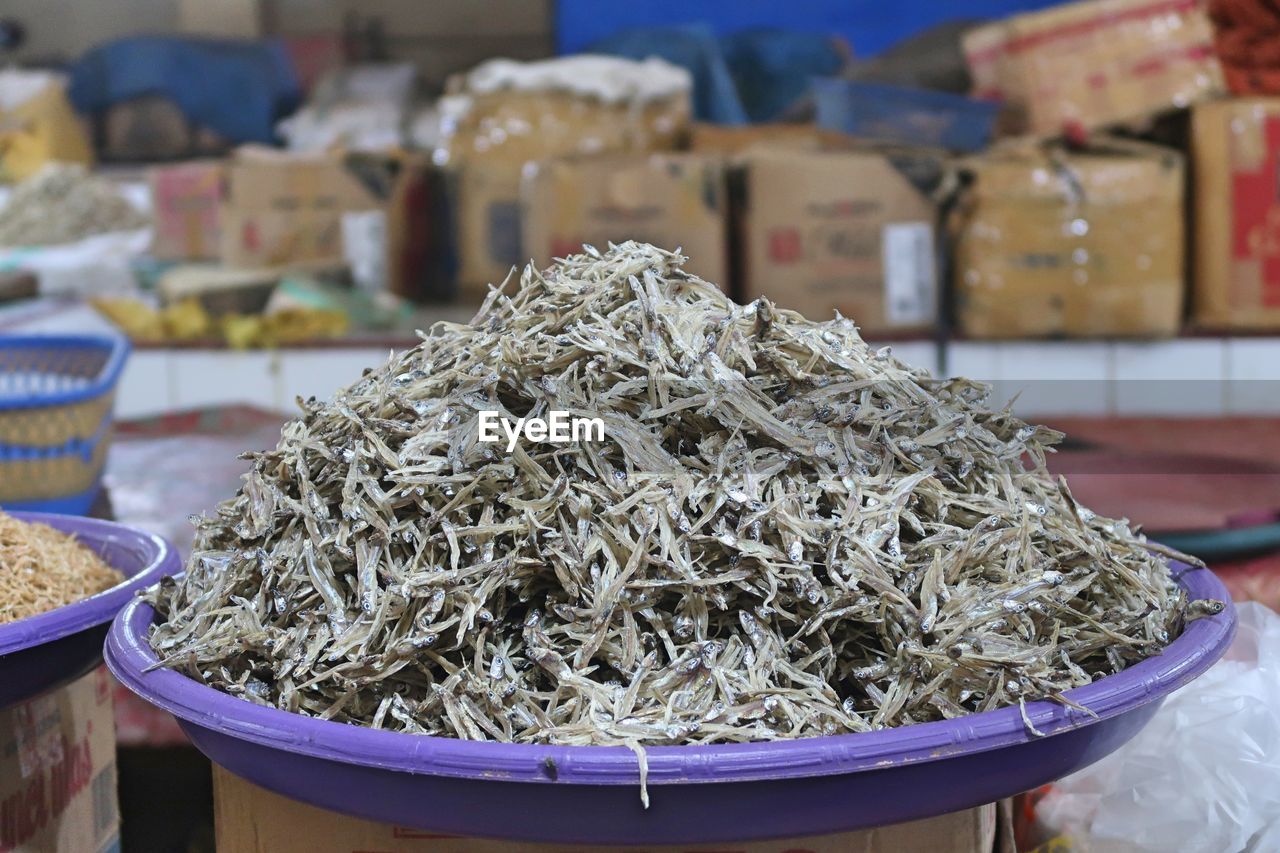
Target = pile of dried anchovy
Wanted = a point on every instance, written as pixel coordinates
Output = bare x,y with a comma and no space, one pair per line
783,534
63,203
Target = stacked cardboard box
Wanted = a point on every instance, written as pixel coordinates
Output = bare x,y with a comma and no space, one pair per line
1236,167
847,231
1050,243
265,209
286,208
670,200
492,131
1095,63
261,208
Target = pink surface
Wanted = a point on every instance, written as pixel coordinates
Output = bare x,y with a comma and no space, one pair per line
1174,474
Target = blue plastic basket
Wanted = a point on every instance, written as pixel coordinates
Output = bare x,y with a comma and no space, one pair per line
57,393
904,115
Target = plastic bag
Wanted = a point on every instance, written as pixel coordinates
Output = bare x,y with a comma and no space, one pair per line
101,265
359,109
37,124
1204,775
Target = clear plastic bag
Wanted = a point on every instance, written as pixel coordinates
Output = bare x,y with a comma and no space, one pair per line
1204,775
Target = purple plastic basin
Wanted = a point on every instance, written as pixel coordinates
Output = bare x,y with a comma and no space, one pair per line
51,649
733,792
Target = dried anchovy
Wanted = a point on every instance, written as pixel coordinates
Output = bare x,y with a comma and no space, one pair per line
784,534
42,568
62,203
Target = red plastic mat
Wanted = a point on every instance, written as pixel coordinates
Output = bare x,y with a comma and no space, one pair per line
1174,474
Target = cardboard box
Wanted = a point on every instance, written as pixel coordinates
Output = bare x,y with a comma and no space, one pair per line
249,819
1235,166
486,145
271,210
1058,244
58,770
670,200
1095,63
846,231
286,207
738,139
485,202
187,204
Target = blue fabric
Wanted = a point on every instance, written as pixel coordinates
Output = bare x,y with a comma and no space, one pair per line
750,76
869,25
236,88
694,47
773,68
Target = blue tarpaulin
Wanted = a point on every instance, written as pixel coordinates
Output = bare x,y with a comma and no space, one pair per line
235,88
773,68
869,25
747,77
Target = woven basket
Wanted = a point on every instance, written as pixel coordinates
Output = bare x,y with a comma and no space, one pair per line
56,398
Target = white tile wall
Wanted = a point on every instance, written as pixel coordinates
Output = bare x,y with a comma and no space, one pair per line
1046,377
916,353
211,377
1171,377
975,360
156,381
144,387
1188,377
318,373
1253,376
1210,376
1057,377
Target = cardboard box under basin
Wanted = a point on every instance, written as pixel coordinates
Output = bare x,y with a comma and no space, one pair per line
1071,244
847,231
250,819
58,770
1236,170
669,200
1095,63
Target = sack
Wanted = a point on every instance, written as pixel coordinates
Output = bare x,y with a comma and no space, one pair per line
37,125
